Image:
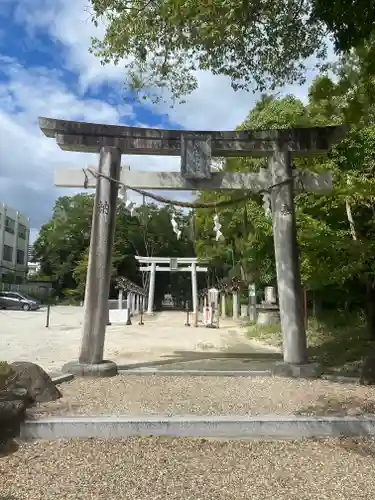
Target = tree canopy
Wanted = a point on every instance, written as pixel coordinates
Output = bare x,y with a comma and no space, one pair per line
165,42
350,21
260,45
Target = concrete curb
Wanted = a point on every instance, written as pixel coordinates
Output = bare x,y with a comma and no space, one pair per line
260,427
66,377
196,373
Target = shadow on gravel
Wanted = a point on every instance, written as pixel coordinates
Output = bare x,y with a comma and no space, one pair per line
349,406
361,446
212,360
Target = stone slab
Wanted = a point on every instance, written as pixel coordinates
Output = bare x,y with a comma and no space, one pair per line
195,373
103,369
265,427
270,317
61,378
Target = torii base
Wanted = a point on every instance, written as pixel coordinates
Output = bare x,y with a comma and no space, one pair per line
308,370
103,369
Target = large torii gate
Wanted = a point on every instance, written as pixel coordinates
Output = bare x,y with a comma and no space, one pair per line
195,150
189,265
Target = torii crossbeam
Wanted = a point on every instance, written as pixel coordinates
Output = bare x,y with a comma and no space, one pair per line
196,150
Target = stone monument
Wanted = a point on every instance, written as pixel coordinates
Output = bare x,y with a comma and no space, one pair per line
268,312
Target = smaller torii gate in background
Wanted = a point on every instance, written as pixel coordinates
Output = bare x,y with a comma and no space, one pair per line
196,150
190,265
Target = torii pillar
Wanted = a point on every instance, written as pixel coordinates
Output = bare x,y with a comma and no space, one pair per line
95,313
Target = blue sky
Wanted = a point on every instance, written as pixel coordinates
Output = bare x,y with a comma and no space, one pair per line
46,70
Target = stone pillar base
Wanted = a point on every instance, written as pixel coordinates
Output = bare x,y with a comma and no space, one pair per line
309,370
103,369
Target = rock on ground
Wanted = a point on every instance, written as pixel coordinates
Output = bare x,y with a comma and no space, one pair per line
35,380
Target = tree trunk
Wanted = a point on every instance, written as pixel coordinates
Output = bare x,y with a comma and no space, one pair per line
316,306
370,308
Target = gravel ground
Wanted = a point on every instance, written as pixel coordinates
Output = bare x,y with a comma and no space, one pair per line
183,469
167,396
24,337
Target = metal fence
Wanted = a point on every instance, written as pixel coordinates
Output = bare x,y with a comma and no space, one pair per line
29,288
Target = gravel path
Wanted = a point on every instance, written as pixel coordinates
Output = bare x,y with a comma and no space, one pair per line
167,396
183,469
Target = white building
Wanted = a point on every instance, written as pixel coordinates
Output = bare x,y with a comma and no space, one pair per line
33,268
14,244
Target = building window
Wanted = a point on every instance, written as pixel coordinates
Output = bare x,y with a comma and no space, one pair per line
30,253
8,253
9,225
20,257
22,231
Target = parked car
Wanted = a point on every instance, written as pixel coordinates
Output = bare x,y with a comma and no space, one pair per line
16,300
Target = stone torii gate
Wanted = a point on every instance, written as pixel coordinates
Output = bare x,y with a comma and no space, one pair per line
196,150
190,266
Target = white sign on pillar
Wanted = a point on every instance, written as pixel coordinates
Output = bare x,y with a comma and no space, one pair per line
235,305
223,306
213,297
151,291
120,298
194,287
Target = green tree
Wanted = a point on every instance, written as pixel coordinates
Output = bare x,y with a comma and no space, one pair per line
349,96
62,240
335,232
165,42
351,22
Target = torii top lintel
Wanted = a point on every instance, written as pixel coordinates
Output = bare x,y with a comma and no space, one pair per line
167,260
90,137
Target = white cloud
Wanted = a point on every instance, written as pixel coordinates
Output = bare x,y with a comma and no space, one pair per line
68,22
214,105
28,158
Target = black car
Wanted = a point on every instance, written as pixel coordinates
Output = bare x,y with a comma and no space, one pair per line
16,300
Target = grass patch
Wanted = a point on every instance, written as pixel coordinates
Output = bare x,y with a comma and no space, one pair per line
338,341
270,334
